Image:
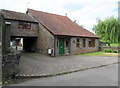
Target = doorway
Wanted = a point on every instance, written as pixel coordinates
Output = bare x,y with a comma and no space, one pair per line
61,46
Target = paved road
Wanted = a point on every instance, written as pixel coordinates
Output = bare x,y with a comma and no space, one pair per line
36,64
104,76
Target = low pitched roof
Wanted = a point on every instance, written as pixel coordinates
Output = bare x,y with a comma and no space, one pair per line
17,16
60,25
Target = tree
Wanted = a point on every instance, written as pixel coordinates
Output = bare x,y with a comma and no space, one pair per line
108,30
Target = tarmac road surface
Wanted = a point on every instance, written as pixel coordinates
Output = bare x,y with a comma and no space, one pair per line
103,76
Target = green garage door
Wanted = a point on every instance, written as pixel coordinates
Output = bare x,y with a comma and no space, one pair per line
61,46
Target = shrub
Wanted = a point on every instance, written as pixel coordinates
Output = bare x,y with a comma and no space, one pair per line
115,51
108,50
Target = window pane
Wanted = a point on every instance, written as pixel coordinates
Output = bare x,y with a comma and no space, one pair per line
28,25
20,25
24,25
91,42
66,43
83,42
78,43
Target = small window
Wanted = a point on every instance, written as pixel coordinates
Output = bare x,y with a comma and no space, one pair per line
28,25
83,42
67,44
57,43
91,42
24,25
78,42
20,25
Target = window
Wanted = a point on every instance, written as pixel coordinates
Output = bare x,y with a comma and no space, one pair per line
78,42
20,25
83,42
28,25
57,43
91,42
67,44
24,25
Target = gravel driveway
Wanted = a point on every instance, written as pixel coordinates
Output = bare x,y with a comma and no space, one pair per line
36,63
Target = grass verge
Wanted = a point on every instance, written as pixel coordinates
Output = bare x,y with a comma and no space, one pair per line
101,53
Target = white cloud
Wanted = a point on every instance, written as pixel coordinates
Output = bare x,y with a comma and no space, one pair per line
85,11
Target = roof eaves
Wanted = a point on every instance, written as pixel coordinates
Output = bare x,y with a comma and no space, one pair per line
20,20
17,19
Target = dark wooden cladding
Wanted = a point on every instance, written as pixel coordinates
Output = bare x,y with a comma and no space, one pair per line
22,32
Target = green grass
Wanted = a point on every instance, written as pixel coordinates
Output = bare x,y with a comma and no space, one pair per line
101,53
94,53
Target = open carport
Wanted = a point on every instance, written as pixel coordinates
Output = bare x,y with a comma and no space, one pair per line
27,44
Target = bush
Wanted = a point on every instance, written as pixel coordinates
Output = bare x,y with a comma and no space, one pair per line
115,51
110,51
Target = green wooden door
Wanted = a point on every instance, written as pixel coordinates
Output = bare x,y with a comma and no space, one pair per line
61,46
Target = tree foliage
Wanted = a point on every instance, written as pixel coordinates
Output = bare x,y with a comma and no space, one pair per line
108,30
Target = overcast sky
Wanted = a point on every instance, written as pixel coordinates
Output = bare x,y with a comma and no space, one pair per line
86,12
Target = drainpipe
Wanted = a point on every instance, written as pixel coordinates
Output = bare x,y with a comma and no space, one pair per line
54,47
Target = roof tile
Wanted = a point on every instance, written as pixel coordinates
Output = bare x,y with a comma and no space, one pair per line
17,16
60,25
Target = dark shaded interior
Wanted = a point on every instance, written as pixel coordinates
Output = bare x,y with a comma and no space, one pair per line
29,43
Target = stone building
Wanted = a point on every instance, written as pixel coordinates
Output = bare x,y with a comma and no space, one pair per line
43,31
20,25
62,35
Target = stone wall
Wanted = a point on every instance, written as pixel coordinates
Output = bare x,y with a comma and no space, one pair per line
45,39
9,59
66,49
0,33
72,49
108,47
81,49
10,65
1,28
